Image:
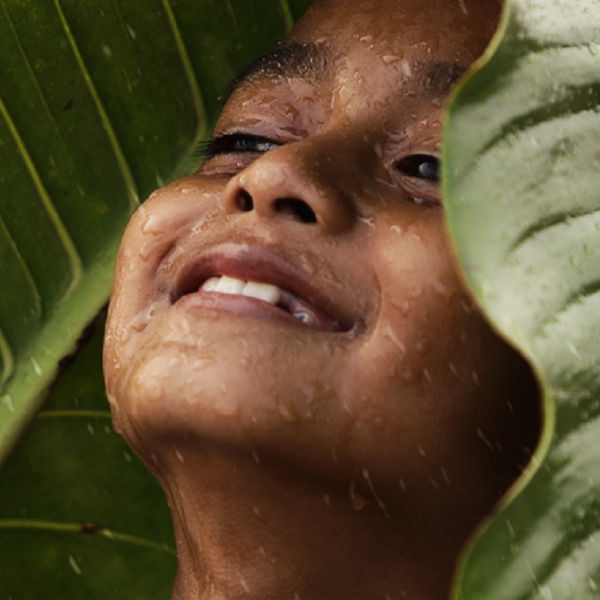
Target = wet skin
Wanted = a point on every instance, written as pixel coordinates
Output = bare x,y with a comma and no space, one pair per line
344,442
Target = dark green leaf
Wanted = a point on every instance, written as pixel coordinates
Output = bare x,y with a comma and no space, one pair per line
100,103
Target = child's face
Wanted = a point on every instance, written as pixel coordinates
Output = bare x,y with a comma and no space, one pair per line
322,183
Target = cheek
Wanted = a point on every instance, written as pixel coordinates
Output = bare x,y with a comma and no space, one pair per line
141,283
428,370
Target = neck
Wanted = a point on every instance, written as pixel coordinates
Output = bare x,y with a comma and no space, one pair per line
250,530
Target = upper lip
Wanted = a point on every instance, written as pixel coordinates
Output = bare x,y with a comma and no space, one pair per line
260,264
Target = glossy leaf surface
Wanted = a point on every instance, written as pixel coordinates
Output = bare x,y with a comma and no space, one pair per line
522,182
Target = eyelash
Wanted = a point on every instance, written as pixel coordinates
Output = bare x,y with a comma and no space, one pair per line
234,143
416,166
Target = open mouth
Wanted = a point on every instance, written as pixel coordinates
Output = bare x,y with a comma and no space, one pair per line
289,304
255,281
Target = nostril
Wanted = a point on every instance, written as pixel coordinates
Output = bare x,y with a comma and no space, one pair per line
244,201
296,209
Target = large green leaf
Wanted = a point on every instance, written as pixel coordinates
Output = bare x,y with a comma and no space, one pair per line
100,103
522,159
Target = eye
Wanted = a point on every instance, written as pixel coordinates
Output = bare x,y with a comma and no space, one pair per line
235,143
420,166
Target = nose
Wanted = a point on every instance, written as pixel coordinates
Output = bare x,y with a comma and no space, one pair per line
291,183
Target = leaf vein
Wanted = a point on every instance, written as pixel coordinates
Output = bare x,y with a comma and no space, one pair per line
184,57
80,528
549,221
107,123
62,232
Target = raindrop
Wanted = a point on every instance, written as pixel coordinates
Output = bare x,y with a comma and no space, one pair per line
74,565
378,499
36,367
7,401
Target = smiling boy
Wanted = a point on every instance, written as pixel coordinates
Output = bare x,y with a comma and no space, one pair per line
289,347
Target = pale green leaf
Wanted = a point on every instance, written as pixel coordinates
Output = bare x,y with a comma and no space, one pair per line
522,181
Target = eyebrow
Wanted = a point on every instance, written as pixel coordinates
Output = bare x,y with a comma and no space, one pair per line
306,60
437,78
311,61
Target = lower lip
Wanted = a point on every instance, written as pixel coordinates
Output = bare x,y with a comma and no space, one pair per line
242,306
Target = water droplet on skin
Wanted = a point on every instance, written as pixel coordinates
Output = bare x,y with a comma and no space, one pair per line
378,499
481,435
142,319
152,225
287,413
357,501
390,334
327,500
227,406
255,457
389,59
244,585
445,476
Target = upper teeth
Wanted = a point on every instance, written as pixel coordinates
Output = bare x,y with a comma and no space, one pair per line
253,289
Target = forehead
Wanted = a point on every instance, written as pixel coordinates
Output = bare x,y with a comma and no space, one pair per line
458,30
425,46
314,61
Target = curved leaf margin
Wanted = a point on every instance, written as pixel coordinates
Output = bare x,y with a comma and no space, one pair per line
521,181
